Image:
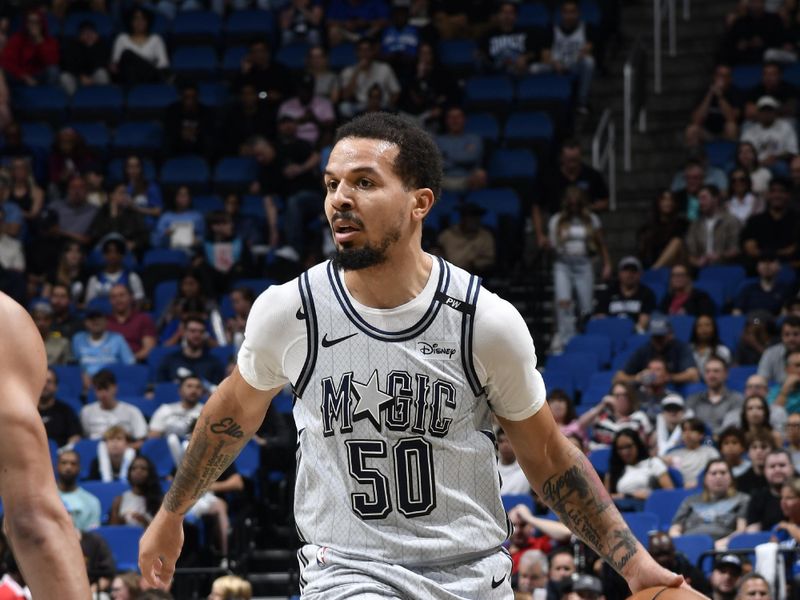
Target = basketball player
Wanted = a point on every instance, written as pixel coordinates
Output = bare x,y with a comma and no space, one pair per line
397,361
39,529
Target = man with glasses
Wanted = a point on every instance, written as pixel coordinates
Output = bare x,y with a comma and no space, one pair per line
193,358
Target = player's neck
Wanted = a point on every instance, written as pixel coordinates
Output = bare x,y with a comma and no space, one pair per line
398,280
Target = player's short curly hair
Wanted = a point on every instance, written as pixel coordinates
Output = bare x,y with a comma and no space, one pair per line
418,163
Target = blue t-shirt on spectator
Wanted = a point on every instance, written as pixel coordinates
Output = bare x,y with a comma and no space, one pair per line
677,354
178,366
93,355
754,297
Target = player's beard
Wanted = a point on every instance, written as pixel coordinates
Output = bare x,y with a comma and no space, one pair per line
355,259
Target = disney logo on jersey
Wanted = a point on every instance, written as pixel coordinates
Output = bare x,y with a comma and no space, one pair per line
401,401
437,350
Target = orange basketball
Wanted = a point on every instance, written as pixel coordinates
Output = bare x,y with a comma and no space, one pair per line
666,593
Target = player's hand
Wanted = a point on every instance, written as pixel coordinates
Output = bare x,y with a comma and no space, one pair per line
654,575
159,549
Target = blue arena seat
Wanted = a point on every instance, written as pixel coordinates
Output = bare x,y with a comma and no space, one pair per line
157,450
563,380
748,539
729,276
144,404
194,62
665,503
87,451
37,135
163,294
97,101
693,545
283,403
659,290
658,276
503,201
138,137
529,128
533,15
191,171
293,56
458,55
155,358
546,90
95,135
165,392
641,524
746,77
682,326
106,492
737,376
341,56
580,364
69,379
599,457
512,167
235,172
483,124
488,92
207,204
196,26
131,379
123,541
599,345
247,25
256,285
116,167
223,354
40,102
232,59
715,289
720,153
441,212
618,330
791,74
150,99
730,329
512,500
165,256
214,94
101,21
249,460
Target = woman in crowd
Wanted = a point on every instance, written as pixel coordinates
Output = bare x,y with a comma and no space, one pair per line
747,159
69,156
719,511
242,299
620,410
326,82
139,56
632,473
25,191
427,88
70,271
705,342
757,414
139,504
146,194
577,236
230,587
191,297
125,586
742,202
660,240
182,227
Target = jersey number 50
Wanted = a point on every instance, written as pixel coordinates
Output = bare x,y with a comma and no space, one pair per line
415,490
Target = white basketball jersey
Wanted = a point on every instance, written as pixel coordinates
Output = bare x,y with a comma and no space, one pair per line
396,455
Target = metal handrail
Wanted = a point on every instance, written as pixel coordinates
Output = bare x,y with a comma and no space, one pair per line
660,7
634,101
604,154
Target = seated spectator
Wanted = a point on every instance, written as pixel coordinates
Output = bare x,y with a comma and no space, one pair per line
668,432
787,532
428,89
182,227
757,414
532,533
462,154
718,112
750,35
13,215
747,159
70,271
468,244
660,241
136,327
506,47
632,473
145,194
754,585
249,116
725,576
231,586
301,21
12,261
100,565
687,183
732,447
5,103
250,228
775,86
719,511
242,299
178,417
357,80
225,256
571,49
627,297
767,294
114,456
787,394
189,125
30,56
271,79
60,422
620,411
355,20
661,548
772,365
96,193
713,238
691,458
83,507
705,343
98,417
193,358
742,203
191,295
582,587
793,438
774,139
759,443
562,568
683,298
139,55
84,60
764,510
315,115
97,347
74,214
576,234
57,347
755,339
119,218
716,403
777,229
65,322
114,273
513,480
400,41
326,82
138,505
126,583
677,355
25,192
756,385
532,572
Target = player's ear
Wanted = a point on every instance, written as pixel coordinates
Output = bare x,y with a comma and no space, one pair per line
423,202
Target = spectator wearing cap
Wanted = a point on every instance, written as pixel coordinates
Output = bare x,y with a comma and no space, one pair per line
468,244
774,139
774,85
315,115
772,365
787,393
97,347
682,298
777,229
582,587
661,548
677,356
462,154
767,294
56,346
136,327
108,411
358,79
113,273
627,297
713,238
60,421
84,60
717,401
667,433
725,577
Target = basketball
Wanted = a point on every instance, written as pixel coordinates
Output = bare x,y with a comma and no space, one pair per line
666,593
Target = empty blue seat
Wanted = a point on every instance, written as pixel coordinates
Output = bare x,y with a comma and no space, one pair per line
440,214
459,55
246,25
483,124
207,204
106,492
720,153
283,403
730,329
95,135
590,13
533,15
40,101
255,285
503,201
191,171
146,406
544,90
748,541
235,172
138,136
658,276
715,289
682,326
659,290
791,74
196,25
123,541
165,392
490,92
738,376
37,135
223,354
87,452
194,61
164,293
512,500
641,524
580,364
155,358
512,167
293,56
131,379
165,256
729,276
602,380
746,77
249,460
69,379
232,59
214,94
562,380
157,450
598,345
600,457
341,56
96,101
151,98
693,545
618,330
529,127
101,21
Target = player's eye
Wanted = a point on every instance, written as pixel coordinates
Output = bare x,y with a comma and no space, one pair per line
332,185
364,183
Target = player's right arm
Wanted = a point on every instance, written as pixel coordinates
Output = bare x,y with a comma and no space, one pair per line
41,532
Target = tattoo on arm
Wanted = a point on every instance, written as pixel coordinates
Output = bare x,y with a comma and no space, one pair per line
580,501
205,460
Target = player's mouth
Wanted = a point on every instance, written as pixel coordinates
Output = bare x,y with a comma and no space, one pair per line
345,231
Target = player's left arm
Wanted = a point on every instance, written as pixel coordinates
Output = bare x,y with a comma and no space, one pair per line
565,479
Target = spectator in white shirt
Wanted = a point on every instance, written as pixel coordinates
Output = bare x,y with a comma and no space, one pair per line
774,139
139,56
514,480
98,417
357,80
177,417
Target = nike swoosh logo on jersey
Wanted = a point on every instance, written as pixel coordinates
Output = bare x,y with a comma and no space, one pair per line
326,343
300,314
496,584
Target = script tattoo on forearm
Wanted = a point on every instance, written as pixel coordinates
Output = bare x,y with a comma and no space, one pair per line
204,461
579,502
